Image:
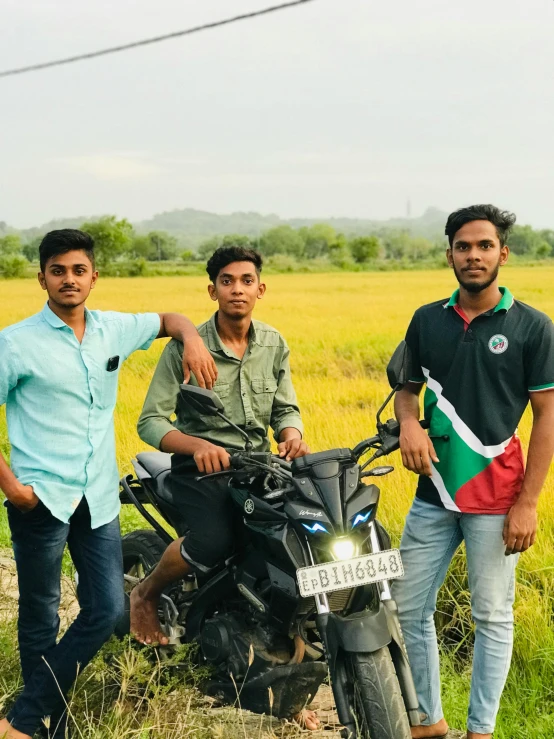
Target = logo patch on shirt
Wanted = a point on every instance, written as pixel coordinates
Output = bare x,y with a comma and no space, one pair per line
498,344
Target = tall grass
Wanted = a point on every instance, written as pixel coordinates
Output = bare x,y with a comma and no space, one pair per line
342,328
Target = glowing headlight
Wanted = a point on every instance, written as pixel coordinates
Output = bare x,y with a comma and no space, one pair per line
343,549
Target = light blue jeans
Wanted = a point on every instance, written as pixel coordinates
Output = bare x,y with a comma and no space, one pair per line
430,538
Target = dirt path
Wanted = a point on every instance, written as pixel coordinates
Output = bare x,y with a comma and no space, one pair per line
251,724
264,728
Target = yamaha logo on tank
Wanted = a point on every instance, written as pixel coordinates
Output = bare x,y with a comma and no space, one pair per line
498,344
249,506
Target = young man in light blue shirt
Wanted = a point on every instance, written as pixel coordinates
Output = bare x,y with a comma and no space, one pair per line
58,378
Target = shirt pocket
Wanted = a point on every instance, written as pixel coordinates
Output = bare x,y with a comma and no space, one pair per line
108,389
222,389
263,393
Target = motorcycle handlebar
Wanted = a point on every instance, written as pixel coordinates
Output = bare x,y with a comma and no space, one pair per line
240,460
387,439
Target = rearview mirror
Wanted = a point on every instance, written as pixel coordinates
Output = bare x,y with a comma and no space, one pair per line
399,369
203,401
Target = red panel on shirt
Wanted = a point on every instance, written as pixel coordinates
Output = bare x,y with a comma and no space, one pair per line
495,489
460,312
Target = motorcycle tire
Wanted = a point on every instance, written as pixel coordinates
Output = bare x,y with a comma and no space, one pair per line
142,550
376,700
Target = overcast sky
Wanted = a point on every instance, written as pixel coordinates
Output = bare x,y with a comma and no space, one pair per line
338,107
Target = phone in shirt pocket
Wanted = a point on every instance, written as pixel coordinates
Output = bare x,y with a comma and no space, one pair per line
110,377
113,364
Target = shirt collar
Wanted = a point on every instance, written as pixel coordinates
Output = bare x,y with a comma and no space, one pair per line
214,340
56,322
505,303
51,318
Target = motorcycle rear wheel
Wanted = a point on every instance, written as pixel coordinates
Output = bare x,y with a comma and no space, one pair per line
376,700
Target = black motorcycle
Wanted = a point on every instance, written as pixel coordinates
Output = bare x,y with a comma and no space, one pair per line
306,595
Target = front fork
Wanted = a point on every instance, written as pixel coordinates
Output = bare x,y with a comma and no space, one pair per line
397,646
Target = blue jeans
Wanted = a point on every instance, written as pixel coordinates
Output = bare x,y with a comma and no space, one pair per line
49,668
430,538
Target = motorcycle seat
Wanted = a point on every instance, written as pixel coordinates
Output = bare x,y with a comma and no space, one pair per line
155,463
155,467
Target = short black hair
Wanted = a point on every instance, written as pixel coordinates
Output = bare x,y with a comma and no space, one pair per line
63,240
227,254
502,220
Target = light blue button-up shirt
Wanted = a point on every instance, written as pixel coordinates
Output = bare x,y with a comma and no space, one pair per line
60,399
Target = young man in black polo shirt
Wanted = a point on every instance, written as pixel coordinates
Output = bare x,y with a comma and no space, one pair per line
483,356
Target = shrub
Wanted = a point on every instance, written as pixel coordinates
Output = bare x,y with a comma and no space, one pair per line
12,266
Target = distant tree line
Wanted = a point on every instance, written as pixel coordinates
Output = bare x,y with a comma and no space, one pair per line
120,250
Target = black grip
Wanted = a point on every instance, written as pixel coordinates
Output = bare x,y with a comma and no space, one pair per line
424,424
237,461
390,444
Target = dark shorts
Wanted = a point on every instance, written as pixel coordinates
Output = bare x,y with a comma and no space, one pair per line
214,522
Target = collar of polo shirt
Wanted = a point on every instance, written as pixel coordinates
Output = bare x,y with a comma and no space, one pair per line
505,303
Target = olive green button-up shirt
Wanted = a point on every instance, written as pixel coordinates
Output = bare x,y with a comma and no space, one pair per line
256,392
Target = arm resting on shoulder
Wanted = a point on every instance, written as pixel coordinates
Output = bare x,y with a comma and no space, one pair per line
196,358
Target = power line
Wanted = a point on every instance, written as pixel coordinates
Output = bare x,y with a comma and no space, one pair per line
154,40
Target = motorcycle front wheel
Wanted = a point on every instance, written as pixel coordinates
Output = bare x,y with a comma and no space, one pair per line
375,698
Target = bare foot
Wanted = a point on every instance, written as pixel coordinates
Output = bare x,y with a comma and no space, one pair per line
307,720
145,624
434,730
8,732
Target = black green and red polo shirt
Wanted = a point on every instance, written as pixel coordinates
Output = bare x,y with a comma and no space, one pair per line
478,376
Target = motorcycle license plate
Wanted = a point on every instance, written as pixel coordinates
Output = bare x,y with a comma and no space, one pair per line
349,573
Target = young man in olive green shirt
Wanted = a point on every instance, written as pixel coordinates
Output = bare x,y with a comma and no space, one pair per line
255,387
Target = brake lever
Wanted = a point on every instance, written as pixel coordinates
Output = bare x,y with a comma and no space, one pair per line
213,474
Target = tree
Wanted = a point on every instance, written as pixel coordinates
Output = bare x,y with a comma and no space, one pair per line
419,248
318,239
543,251
30,249
365,248
12,265
525,240
400,245
207,248
112,238
396,244
163,246
10,244
140,247
339,252
281,240
547,235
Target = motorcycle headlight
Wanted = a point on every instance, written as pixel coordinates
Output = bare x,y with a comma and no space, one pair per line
343,548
